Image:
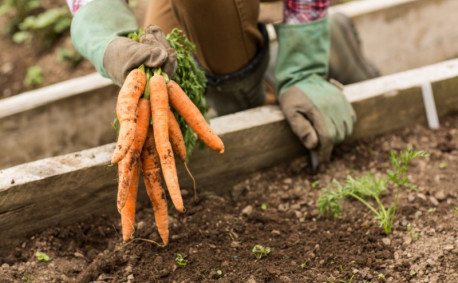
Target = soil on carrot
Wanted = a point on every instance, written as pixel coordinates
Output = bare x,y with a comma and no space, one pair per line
275,209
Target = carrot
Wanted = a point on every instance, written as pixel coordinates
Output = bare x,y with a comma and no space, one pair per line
176,137
179,147
151,167
127,164
184,106
159,109
128,212
126,107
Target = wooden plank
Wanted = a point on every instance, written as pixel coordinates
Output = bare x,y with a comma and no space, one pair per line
399,35
55,120
68,188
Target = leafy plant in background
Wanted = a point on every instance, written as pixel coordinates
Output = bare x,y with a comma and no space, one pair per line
34,76
15,12
70,56
368,186
46,26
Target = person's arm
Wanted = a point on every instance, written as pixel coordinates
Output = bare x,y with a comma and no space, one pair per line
98,31
317,111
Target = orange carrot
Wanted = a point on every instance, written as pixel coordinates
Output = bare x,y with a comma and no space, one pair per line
128,163
151,167
159,109
176,137
179,147
128,212
126,107
184,106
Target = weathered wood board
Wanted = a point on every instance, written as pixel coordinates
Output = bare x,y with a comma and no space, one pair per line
68,188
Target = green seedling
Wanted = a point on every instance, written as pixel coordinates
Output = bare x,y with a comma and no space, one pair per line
219,273
70,56
15,11
34,76
363,187
381,275
46,26
413,235
432,210
443,165
264,206
181,260
315,184
28,278
259,251
42,256
456,210
304,265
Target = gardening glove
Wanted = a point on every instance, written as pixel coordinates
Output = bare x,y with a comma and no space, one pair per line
317,111
98,32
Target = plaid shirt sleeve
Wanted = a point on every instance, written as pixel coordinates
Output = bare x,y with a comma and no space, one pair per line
304,11
74,5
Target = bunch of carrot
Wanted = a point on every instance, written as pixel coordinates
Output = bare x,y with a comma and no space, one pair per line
148,139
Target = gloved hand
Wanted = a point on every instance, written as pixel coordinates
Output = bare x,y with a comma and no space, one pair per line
98,32
317,111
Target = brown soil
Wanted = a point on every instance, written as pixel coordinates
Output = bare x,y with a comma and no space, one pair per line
218,233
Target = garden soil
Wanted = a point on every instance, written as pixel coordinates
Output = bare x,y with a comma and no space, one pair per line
276,209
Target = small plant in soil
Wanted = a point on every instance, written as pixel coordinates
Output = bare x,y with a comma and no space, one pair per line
42,256
47,26
34,76
15,12
413,235
181,260
28,278
260,251
366,186
71,56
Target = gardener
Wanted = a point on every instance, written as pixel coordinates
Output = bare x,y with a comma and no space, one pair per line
232,48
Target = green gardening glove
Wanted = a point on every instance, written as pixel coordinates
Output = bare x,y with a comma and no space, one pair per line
98,32
317,111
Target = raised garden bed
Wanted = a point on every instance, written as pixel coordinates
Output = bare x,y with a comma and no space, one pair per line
73,184
219,232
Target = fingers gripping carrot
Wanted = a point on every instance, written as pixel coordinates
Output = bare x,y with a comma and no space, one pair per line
151,167
128,212
126,107
159,109
128,163
184,106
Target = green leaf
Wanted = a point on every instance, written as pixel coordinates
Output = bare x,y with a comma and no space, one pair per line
181,260
42,256
34,76
22,36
